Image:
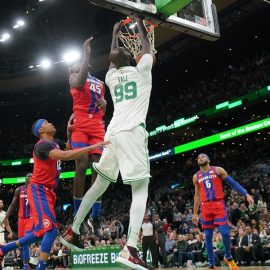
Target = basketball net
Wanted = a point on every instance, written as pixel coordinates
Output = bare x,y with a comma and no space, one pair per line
130,37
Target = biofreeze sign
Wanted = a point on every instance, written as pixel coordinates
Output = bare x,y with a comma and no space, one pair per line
97,257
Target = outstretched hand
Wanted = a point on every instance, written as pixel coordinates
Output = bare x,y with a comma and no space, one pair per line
87,45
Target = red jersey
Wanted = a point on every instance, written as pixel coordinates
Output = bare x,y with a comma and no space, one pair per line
46,170
211,185
85,98
24,207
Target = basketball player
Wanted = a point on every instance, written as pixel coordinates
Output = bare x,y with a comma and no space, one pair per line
47,155
130,88
89,107
208,182
25,223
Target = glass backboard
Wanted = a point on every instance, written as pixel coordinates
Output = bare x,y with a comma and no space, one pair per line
198,18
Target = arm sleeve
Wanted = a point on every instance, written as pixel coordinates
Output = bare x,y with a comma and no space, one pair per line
235,185
108,76
145,64
42,150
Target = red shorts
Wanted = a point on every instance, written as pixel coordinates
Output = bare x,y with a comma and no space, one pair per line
86,133
42,201
25,225
213,214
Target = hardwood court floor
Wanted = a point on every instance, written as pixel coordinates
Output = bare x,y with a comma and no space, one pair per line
198,268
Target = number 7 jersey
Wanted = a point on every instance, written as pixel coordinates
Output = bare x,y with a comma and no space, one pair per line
130,88
211,185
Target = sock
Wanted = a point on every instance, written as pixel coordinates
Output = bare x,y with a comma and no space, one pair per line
96,209
41,265
209,246
225,231
137,210
76,204
97,189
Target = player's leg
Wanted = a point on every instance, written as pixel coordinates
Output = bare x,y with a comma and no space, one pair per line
79,139
108,170
207,219
45,248
221,219
132,154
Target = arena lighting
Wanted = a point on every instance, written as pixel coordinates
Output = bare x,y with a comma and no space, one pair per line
71,56
226,135
5,36
21,180
45,63
227,105
18,24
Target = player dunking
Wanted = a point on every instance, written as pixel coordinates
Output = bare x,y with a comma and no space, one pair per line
86,126
130,88
47,155
25,223
208,182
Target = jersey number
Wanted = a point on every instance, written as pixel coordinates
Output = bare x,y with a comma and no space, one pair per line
125,91
26,201
208,184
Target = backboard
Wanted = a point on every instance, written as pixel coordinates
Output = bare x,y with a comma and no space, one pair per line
198,18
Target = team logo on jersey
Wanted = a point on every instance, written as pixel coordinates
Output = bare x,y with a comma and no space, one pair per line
46,223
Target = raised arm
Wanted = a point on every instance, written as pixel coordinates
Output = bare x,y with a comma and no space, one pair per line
115,44
225,177
146,45
78,80
196,199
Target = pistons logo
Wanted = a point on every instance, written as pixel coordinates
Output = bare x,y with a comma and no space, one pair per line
46,223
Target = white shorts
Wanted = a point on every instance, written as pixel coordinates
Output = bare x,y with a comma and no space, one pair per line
128,154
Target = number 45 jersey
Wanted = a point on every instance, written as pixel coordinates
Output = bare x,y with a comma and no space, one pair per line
130,88
211,185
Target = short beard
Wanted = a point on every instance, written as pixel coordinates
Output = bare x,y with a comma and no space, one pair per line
204,164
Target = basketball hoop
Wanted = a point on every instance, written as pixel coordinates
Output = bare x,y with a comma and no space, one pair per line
130,37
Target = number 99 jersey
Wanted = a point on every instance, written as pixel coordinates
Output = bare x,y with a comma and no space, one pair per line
211,185
130,88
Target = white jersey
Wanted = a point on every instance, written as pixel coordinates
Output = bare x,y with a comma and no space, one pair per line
2,216
130,89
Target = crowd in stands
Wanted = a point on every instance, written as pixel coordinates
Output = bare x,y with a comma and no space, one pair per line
202,93
184,242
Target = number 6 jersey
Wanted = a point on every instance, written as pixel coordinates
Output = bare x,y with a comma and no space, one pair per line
211,185
130,88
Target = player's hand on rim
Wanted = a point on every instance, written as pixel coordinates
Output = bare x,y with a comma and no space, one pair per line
117,27
87,45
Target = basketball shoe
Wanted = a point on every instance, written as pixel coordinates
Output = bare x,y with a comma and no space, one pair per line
129,257
71,239
231,263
